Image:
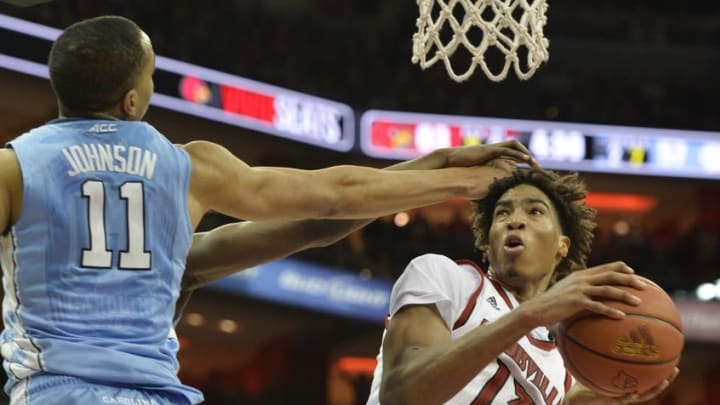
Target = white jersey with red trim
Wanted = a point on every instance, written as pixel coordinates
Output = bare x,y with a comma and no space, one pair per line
530,371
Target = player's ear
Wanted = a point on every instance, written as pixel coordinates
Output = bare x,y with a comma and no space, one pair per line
563,246
484,249
130,104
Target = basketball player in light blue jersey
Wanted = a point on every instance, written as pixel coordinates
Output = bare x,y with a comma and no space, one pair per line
97,211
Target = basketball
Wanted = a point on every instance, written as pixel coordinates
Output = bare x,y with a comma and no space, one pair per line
616,357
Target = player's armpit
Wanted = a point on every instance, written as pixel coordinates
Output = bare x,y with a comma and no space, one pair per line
10,189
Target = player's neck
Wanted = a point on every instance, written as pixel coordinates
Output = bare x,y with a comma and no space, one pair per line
105,116
521,289
102,115
528,291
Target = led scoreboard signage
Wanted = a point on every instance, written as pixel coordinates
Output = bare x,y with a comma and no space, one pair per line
203,92
556,145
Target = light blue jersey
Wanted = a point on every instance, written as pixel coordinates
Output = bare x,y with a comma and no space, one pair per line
92,267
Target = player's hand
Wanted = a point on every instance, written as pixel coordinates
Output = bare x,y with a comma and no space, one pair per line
504,164
583,290
509,151
580,394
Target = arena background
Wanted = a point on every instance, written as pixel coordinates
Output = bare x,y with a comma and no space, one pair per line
640,64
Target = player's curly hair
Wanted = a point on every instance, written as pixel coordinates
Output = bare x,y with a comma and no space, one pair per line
565,192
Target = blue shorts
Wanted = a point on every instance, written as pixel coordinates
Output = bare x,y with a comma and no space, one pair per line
64,390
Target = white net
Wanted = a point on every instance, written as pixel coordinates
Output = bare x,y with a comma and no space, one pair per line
506,25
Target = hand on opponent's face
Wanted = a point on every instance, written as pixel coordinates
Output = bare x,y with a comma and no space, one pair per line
508,153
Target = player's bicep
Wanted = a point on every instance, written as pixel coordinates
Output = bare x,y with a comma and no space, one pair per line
411,329
224,183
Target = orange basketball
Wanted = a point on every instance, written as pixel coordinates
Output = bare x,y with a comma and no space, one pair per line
615,357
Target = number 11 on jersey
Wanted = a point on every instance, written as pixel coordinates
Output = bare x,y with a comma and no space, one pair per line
98,255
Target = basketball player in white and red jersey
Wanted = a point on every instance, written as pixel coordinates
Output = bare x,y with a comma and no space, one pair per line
459,335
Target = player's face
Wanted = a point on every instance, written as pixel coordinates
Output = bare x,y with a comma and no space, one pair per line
145,85
526,242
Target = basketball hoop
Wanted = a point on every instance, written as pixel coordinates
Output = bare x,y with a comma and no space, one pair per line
506,25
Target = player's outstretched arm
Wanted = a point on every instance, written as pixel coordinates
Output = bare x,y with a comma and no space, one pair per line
234,247
228,185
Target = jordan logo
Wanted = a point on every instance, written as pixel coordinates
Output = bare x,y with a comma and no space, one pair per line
637,343
493,302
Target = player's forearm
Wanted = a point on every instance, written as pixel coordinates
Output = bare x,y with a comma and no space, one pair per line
325,232
350,192
433,375
358,193
238,246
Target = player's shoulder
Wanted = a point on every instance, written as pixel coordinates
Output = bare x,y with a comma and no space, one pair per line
202,149
199,145
439,260
147,128
7,154
10,165
471,267
432,260
437,266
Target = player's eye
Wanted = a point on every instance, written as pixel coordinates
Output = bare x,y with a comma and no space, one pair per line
501,212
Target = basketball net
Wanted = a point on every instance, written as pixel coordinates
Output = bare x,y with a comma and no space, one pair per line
507,25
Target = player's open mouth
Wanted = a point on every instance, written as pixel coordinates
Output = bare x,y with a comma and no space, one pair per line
513,244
